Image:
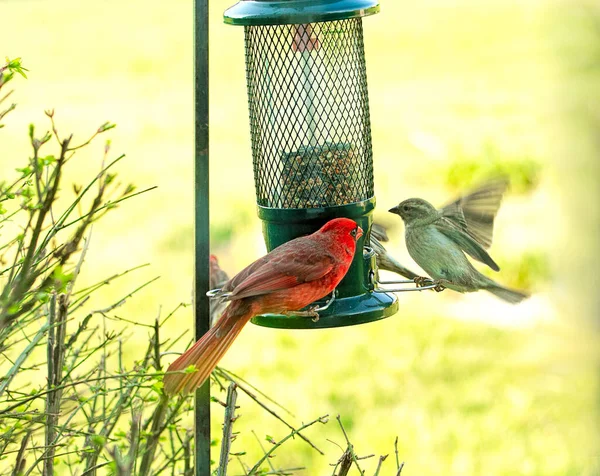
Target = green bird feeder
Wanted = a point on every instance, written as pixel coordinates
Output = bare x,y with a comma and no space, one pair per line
311,137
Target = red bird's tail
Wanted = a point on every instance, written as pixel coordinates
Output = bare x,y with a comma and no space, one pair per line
208,351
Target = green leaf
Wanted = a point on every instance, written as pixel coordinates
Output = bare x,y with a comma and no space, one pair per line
157,387
61,278
106,127
25,170
98,440
42,297
45,161
15,65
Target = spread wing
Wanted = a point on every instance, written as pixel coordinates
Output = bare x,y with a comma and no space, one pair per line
283,268
474,214
465,241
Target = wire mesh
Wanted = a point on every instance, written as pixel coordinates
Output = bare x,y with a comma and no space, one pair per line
309,114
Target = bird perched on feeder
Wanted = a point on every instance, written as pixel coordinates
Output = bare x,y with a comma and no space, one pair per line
384,259
290,277
438,239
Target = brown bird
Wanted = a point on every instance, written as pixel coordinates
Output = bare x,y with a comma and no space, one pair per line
384,259
438,239
218,278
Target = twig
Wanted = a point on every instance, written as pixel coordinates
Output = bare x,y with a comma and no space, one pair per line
228,420
263,450
350,451
257,390
21,359
322,419
381,460
103,128
345,462
8,109
20,461
82,256
398,465
56,354
3,98
26,276
108,205
188,469
159,414
28,398
269,410
244,468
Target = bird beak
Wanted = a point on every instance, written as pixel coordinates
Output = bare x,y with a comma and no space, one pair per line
395,210
359,233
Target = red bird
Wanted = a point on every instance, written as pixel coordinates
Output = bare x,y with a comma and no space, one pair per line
287,279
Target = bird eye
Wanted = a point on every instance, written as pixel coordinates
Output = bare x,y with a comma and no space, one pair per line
353,233
404,208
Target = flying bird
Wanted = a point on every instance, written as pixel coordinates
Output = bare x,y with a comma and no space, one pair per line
438,239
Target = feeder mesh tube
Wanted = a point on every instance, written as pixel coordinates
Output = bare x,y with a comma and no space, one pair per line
309,114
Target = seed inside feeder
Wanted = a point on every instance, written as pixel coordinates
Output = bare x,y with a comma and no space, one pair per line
323,176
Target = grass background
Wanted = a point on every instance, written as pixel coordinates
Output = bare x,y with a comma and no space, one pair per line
457,89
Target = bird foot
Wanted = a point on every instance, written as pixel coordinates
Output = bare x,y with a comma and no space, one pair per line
310,312
313,311
439,287
422,281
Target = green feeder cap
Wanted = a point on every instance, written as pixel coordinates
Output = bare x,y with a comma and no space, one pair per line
294,12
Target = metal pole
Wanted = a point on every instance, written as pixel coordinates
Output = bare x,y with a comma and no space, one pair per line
202,223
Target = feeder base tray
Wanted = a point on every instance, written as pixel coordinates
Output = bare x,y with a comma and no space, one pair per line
348,311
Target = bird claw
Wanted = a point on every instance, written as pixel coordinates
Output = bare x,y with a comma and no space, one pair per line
422,281
313,311
310,312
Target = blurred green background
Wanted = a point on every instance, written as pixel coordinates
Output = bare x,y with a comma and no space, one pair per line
459,90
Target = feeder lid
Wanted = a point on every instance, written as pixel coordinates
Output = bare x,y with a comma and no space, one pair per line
293,12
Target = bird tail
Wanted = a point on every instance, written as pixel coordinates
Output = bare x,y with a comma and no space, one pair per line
206,353
509,295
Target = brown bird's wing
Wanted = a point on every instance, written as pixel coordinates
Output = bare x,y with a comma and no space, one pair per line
465,242
379,232
283,269
474,213
386,261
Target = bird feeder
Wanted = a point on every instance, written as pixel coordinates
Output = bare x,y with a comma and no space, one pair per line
311,136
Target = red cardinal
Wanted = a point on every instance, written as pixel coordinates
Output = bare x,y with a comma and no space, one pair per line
289,278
